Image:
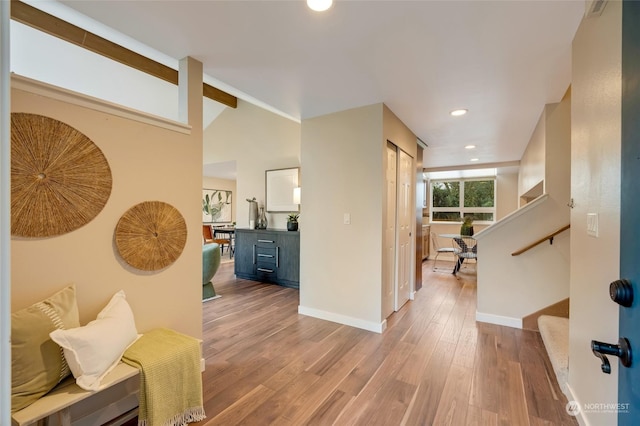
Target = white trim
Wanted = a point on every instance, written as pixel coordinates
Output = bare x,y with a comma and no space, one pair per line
5,216
75,98
343,319
512,216
582,420
499,320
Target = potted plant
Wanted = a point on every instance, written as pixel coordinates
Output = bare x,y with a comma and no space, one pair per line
467,226
292,222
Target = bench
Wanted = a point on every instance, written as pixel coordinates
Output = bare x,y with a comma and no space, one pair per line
59,401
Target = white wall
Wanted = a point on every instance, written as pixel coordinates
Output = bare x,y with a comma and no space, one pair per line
31,48
595,187
257,140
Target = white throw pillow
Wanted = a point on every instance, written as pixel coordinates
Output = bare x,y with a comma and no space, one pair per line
93,350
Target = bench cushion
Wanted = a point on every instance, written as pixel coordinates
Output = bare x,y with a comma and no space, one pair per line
37,363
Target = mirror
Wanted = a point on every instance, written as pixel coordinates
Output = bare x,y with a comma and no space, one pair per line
279,190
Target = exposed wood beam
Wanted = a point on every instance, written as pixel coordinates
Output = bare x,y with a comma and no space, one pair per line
36,18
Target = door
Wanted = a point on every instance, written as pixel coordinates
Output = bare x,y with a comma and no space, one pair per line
628,378
404,226
389,261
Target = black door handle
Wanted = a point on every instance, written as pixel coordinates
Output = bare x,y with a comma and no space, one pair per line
622,350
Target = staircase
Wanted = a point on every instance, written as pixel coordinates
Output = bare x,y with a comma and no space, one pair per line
555,335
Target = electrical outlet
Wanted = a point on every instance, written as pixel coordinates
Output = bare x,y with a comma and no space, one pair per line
347,218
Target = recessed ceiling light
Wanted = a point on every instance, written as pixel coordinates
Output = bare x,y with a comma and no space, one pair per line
459,112
470,147
319,5
474,159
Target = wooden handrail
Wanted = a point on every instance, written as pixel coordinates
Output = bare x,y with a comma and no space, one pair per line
541,240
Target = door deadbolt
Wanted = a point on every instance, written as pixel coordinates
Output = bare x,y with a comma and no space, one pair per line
621,292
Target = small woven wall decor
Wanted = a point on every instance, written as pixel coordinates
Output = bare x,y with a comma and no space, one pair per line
60,180
151,235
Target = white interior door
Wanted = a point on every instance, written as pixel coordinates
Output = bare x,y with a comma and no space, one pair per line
389,261
404,226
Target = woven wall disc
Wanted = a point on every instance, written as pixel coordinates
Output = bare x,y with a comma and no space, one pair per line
60,180
151,235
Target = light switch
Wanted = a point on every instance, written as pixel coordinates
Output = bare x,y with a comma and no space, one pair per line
347,218
592,224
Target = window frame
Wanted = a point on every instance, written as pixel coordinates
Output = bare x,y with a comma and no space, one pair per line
461,208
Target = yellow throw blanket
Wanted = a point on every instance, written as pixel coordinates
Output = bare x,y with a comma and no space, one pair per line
170,378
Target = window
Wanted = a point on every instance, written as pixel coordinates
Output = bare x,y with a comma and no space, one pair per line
452,200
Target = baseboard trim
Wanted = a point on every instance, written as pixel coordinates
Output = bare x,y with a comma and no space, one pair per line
582,421
343,319
499,320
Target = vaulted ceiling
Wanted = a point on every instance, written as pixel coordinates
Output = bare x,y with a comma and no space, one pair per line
501,60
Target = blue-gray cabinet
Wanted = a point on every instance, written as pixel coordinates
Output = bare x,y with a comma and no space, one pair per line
268,255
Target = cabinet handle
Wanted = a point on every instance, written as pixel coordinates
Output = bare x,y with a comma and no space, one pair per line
264,255
277,257
254,254
266,241
265,270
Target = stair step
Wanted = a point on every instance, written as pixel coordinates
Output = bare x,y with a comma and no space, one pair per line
555,335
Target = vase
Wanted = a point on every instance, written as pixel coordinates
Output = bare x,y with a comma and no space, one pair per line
292,226
253,213
262,222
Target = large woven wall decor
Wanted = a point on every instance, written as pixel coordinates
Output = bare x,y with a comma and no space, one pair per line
60,180
151,235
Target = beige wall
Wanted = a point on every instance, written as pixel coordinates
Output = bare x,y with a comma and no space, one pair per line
340,265
147,163
257,140
595,176
506,194
342,160
532,166
501,298
226,185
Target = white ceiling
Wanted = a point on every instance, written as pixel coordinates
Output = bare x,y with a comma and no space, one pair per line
503,60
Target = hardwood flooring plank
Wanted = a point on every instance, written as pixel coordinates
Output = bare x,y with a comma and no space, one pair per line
330,409
236,412
452,409
434,364
429,391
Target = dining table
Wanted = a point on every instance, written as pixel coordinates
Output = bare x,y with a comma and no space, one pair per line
225,232
458,264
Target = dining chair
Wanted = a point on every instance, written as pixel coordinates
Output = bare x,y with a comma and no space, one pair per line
467,249
438,249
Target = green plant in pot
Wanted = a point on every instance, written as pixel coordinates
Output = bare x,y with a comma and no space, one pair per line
467,226
292,222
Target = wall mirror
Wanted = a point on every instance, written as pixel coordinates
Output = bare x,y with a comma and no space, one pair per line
279,190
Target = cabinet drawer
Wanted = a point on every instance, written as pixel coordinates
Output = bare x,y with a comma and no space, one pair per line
266,255
266,241
266,272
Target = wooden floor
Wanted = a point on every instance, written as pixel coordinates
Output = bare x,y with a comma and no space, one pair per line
266,364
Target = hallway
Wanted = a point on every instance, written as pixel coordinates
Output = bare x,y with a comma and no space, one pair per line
266,364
